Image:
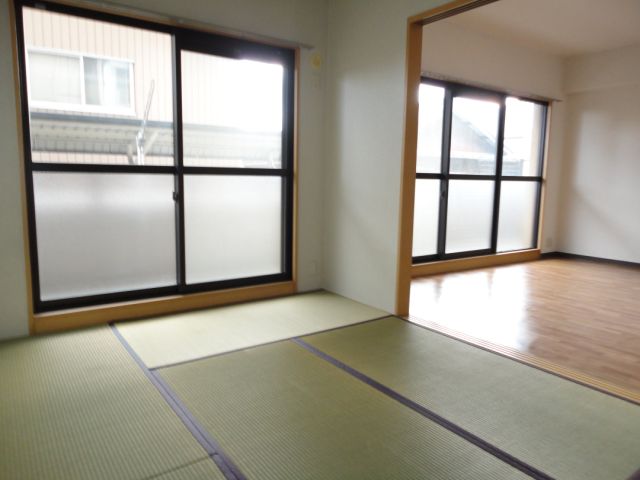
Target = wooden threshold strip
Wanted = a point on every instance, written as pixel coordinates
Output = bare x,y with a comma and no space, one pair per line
84,317
459,264
532,360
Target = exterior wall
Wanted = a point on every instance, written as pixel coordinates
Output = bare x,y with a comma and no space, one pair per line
149,51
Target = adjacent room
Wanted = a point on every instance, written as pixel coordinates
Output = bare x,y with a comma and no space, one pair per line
539,155
319,239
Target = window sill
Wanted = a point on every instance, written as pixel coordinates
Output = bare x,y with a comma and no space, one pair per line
83,317
446,266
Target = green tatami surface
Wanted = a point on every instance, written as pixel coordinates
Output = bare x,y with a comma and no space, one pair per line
280,413
188,336
200,470
75,406
564,429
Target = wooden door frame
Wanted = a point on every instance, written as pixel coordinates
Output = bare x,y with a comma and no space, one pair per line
413,57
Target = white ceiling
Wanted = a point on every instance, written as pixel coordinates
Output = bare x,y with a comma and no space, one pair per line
559,27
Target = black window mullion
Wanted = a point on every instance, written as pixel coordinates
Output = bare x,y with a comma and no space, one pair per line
543,140
536,226
541,152
520,178
100,168
26,140
496,194
179,195
445,164
429,176
267,172
470,176
465,254
239,49
287,161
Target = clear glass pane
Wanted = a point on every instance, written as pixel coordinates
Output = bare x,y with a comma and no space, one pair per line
474,136
430,129
469,215
231,112
233,227
517,220
54,78
104,233
101,94
522,138
425,217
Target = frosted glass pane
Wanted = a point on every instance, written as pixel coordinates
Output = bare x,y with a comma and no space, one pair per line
522,138
425,217
231,112
469,215
104,233
233,227
517,215
430,120
89,104
54,78
474,136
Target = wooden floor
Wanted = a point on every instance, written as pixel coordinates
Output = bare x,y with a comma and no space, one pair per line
578,314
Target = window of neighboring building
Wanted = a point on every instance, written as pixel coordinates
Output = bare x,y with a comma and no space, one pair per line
159,159
64,80
479,172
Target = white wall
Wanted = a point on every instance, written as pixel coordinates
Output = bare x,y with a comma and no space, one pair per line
365,115
460,54
293,20
600,214
13,287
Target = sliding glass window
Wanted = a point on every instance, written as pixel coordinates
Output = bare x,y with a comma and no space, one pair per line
479,172
159,159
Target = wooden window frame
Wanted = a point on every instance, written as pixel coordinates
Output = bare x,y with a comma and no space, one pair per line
121,307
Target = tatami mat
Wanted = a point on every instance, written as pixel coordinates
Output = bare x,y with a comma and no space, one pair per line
564,429
201,470
188,336
75,406
282,413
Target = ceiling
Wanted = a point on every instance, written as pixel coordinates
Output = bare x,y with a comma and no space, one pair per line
558,27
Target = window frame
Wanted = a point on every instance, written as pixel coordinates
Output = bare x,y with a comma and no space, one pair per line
456,89
83,106
182,37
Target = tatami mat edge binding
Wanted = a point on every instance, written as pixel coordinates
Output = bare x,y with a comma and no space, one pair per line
283,413
224,463
560,427
75,406
425,412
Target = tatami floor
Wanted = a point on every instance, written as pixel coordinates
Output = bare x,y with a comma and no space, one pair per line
578,314
313,386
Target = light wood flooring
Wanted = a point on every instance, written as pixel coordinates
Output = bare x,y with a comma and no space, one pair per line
578,314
